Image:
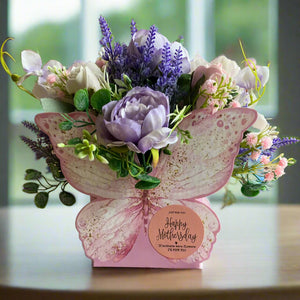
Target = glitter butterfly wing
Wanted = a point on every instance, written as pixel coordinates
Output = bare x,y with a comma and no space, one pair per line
195,170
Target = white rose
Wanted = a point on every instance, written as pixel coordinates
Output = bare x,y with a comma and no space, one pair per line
83,76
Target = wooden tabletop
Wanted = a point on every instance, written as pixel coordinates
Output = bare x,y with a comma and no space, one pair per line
257,256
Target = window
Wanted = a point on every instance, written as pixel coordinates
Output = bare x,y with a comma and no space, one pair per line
68,30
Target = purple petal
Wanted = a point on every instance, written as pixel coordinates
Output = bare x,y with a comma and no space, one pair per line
107,109
31,61
124,130
103,135
154,120
45,70
157,139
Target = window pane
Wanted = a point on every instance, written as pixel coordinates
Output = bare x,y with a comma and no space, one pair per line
51,29
255,24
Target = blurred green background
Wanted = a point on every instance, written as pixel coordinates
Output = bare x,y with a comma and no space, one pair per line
251,21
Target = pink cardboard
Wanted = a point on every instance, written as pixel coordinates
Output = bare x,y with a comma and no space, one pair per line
143,255
113,227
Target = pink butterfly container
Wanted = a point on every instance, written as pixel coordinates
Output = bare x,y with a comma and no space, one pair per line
171,226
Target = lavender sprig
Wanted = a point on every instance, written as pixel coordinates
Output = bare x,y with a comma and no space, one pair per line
133,28
106,39
177,70
149,46
278,142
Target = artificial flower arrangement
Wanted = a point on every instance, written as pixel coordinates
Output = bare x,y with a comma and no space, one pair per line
148,134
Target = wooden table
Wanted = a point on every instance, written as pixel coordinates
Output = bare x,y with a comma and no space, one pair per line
257,256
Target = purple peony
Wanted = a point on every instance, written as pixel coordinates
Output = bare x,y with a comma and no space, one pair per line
139,120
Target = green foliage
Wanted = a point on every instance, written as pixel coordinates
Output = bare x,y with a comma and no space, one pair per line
147,182
67,198
100,98
251,189
32,174
30,187
81,100
66,125
43,187
41,199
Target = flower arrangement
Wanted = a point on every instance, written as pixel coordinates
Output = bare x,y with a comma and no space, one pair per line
127,110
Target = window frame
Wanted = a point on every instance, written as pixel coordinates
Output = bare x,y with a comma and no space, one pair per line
4,122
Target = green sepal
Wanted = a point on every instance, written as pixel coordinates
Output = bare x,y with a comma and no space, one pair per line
100,98
41,199
65,126
32,174
81,100
67,198
30,187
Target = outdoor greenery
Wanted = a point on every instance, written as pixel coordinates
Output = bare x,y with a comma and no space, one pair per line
234,19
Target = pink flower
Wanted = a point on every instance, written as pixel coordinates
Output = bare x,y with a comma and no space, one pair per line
51,78
279,171
269,176
213,73
265,159
283,162
255,155
251,139
235,104
266,142
210,86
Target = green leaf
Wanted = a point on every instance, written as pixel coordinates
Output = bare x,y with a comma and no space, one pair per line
81,100
53,105
134,170
65,126
41,199
123,172
32,174
146,185
167,151
115,164
67,198
148,178
30,187
100,98
249,190
74,141
184,82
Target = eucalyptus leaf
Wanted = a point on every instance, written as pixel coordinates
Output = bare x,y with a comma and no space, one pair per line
41,199
81,100
65,126
30,187
100,98
54,105
67,198
32,174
